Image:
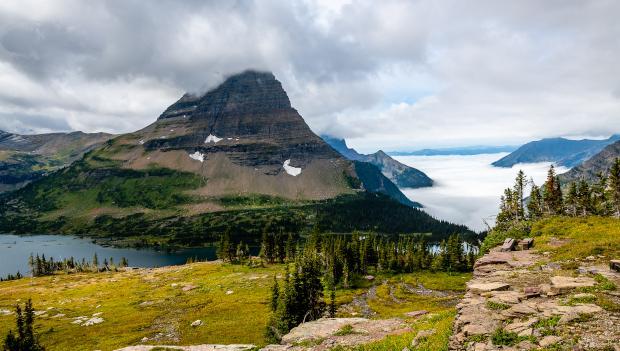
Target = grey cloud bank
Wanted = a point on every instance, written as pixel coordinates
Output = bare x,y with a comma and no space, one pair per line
389,74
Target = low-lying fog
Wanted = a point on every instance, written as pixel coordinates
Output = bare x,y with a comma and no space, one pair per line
467,189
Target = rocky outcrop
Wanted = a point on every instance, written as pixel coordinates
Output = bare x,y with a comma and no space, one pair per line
239,347
320,335
328,333
518,300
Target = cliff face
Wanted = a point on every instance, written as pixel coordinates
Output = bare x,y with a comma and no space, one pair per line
248,118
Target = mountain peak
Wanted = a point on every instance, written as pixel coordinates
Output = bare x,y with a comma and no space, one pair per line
248,92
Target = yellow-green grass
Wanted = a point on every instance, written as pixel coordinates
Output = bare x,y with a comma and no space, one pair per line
440,322
394,299
401,300
143,303
567,238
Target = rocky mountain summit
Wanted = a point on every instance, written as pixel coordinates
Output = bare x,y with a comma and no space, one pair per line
401,175
521,300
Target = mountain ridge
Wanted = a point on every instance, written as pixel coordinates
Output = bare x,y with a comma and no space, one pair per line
24,158
562,151
400,174
599,163
215,164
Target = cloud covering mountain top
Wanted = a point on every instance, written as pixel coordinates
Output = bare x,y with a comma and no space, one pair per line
395,74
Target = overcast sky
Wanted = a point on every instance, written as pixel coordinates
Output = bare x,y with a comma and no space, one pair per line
397,75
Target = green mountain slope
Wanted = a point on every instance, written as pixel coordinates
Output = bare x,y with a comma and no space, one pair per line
24,158
237,158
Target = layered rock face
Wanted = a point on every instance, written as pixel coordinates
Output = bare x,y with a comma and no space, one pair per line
249,118
243,137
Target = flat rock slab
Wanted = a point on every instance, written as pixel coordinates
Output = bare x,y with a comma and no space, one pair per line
234,347
478,288
324,330
318,329
416,313
513,259
560,284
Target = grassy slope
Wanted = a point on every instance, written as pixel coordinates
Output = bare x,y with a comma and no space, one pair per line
589,236
581,236
239,317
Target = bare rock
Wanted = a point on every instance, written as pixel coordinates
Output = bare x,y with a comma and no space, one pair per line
416,314
561,284
196,323
478,288
189,287
508,244
532,291
233,347
510,297
549,340
614,265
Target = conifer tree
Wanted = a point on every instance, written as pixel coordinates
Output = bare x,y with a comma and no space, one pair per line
519,189
95,262
584,199
25,338
275,295
552,194
290,248
571,202
535,205
614,186
332,300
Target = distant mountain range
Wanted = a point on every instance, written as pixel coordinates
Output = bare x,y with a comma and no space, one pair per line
599,163
459,151
238,158
402,175
24,158
561,151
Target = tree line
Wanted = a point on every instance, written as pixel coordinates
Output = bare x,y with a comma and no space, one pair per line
42,266
578,198
323,262
10,276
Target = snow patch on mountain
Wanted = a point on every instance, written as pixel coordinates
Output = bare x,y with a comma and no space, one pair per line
198,156
212,138
294,171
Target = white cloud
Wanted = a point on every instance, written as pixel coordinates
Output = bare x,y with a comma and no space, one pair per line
393,75
467,189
